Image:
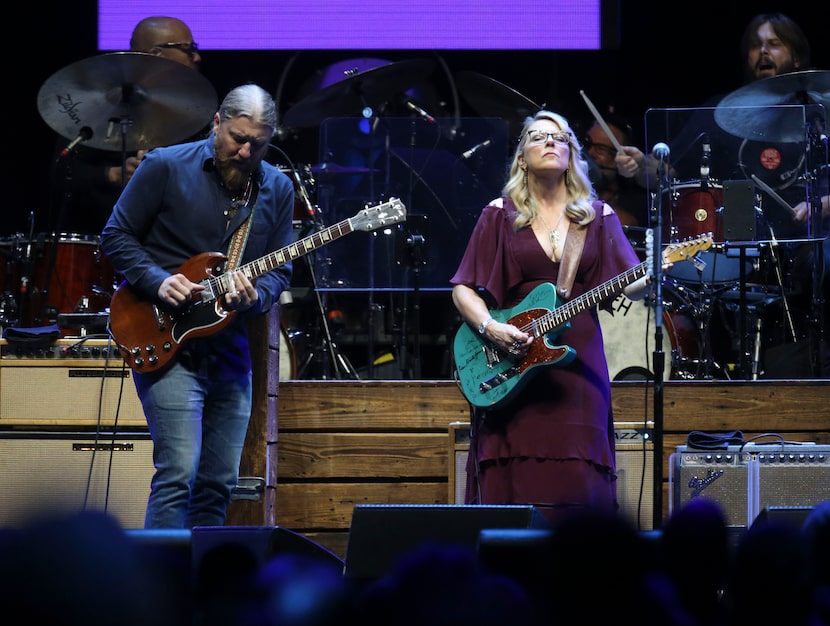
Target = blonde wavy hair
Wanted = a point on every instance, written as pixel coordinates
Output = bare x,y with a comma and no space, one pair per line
581,194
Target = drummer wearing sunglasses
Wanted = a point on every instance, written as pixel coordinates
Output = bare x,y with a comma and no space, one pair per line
166,37
97,176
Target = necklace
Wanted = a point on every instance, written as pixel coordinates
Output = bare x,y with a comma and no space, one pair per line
241,199
553,233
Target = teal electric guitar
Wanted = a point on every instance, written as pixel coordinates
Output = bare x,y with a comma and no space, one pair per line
489,376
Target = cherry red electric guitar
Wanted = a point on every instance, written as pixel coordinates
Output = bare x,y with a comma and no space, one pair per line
149,335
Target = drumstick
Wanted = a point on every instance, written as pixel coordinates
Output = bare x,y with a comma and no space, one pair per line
601,121
774,194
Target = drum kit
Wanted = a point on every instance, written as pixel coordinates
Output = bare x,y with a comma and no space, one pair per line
737,299
119,102
123,102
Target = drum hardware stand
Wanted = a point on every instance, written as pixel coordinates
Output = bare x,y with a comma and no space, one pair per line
411,253
26,275
701,313
327,351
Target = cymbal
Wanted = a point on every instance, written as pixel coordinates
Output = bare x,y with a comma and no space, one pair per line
349,96
490,98
767,109
157,101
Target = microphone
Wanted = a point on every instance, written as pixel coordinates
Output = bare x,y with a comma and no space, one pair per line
704,162
660,151
476,148
83,134
418,110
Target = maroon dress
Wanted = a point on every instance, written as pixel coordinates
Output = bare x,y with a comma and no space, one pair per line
552,444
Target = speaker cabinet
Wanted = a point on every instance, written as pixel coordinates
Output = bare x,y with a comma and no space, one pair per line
60,472
381,534
746,480
262,542
635,470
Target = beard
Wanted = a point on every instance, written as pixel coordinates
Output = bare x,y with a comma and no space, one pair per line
231,174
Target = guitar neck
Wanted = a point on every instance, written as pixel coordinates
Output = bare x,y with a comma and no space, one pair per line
289,253
560,315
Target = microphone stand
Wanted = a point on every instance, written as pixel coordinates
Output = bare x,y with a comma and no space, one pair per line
658,358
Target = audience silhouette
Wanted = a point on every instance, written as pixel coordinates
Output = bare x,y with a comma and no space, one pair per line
78,569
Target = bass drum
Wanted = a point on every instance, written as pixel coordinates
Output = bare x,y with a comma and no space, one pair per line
288,356
628,333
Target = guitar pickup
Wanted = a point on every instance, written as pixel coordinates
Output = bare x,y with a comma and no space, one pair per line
498,379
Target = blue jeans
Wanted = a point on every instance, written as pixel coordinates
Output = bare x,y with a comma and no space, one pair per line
198,426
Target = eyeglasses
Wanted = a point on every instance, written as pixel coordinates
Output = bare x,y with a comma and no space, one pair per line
561,137
608,151
188,47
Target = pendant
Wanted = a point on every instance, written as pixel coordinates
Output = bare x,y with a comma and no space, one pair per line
554,238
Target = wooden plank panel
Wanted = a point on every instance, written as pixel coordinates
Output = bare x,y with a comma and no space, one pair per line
368,405
328,506
362,455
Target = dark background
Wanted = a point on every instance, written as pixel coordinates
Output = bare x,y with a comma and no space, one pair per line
668,57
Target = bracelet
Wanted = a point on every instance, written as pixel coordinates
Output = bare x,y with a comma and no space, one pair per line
483,326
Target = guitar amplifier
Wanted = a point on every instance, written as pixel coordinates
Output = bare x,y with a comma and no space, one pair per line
635,469
745,480
67,383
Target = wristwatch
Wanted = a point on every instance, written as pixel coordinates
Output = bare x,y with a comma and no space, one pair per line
483,326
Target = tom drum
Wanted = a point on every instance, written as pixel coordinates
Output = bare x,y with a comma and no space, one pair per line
73,272
691,209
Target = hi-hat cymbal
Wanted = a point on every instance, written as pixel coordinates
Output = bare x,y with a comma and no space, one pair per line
349,96
157,101
771,109
490,98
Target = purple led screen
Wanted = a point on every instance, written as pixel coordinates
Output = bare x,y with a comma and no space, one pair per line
367,24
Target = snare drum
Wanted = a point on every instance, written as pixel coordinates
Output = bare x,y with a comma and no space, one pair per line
628,334
691,209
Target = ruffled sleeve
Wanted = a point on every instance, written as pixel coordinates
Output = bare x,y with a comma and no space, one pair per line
488,263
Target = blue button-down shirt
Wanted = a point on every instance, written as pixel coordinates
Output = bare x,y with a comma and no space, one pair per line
175,207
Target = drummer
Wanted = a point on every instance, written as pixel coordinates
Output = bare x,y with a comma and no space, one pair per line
618,177
84,188
772,44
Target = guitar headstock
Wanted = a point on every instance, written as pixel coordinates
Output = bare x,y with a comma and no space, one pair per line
371,218
684,250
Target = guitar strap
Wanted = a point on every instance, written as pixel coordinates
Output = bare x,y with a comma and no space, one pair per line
574,243
237,245
240,237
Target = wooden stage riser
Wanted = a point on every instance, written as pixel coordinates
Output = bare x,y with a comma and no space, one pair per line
343,443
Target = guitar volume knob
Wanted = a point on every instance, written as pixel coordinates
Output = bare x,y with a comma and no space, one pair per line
150,349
